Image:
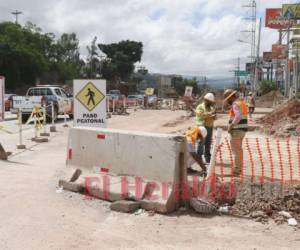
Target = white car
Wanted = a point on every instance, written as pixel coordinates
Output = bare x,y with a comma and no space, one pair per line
44,95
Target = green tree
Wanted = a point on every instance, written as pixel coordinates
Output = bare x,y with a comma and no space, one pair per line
23,53
28,54
266,86
179,83
120,59
65,63
91,69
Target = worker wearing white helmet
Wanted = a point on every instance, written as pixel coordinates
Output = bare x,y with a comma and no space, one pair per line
251,104
193,136
205,116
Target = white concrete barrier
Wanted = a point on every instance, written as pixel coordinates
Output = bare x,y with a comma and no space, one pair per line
158,159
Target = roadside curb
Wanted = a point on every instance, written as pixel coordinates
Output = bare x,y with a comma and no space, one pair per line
10,119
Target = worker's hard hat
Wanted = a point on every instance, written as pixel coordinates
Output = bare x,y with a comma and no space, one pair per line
209,97
203,131
229,93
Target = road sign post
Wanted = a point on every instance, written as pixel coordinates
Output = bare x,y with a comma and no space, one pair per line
90,103
20,145
52,127
2,102
44,133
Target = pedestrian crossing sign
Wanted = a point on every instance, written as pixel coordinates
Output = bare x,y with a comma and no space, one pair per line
89,96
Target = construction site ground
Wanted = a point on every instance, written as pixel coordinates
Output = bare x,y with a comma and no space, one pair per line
41,216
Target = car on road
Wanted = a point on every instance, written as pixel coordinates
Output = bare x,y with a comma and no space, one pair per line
44,95
8,101
114,94
133,100
152,99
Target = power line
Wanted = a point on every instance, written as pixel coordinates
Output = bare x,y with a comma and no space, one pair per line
16,13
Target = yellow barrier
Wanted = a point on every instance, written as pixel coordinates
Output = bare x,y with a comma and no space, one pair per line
37,113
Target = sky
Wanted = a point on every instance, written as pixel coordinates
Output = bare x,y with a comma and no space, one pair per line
188,37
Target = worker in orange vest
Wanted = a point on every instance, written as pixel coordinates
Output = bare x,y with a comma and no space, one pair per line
251,104
193,136
238,126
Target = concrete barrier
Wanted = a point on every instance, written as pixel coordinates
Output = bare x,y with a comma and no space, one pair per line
119,164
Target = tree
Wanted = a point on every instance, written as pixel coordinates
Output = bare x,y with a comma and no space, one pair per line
28,54
179,83
65,64
23,53
67,48
93,62
266,86
121,57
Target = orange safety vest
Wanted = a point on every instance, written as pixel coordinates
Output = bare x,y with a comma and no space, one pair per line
192,135
243,124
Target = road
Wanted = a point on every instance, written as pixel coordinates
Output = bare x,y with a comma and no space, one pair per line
35,214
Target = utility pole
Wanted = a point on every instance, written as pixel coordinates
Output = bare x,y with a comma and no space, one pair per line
257,57
297,69
16,13
238,73
252,20
287,70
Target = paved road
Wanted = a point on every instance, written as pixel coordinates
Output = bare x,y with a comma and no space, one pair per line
35,215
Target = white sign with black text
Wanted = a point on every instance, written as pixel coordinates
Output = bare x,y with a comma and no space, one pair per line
90,103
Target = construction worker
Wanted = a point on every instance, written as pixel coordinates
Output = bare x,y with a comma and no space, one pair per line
192,137
238,126
251,104
205,116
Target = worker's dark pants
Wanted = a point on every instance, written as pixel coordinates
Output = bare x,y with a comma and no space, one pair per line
204,145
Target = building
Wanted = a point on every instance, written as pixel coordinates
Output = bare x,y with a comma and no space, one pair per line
164,84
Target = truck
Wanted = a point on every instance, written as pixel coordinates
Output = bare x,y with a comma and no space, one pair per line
44,95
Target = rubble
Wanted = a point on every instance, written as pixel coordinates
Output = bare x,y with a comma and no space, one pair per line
285,214
203,207
263,204
284,120
292,222
270,99
125,206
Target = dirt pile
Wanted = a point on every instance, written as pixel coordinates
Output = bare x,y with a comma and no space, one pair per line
261,205
284,120
270,100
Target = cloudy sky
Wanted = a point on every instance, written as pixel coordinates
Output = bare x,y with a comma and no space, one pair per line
190,37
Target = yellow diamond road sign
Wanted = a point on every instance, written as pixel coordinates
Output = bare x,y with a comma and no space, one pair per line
89,96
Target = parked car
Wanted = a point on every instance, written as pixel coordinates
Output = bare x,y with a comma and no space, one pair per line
43,96
8,101
132,100
152,99
114,94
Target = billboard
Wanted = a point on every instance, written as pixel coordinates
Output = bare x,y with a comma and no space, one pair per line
90,103
291,11
267,56
2,103
275,19
279,51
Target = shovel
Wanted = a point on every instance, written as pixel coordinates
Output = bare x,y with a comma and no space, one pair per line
202,204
